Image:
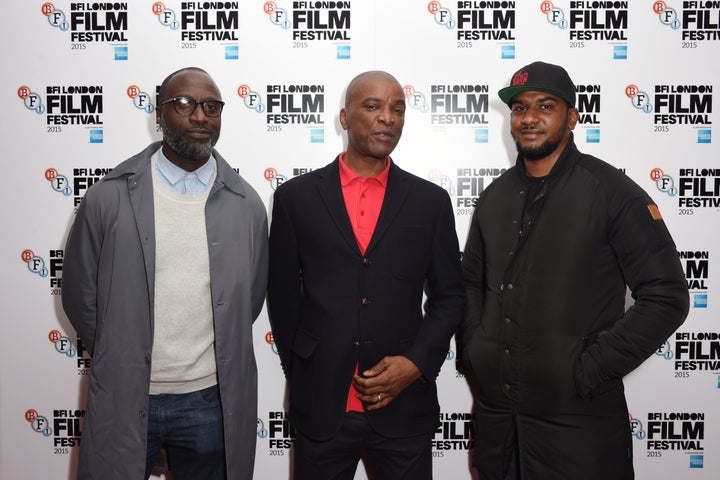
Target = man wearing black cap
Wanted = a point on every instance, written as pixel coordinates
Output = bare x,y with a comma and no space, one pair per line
552,246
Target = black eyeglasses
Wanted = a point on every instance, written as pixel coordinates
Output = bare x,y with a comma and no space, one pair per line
185,106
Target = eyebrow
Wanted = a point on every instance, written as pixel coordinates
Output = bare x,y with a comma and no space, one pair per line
192,97
541,99
375,99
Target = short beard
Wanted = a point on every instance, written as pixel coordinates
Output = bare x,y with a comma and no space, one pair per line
537,153
196,151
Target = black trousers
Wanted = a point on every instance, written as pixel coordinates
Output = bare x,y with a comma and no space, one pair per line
385,458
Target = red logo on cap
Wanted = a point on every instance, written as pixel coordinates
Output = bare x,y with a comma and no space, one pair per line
520,78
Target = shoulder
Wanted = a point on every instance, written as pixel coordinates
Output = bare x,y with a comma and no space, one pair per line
133,165
599,168
236,183
501,184
302,183
618,192
608,178
113,185
418,185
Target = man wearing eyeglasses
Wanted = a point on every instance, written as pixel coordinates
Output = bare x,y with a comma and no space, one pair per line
165,271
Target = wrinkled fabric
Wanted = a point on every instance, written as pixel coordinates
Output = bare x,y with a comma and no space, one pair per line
546,332
108,281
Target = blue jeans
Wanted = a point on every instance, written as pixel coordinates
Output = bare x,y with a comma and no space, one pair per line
190,427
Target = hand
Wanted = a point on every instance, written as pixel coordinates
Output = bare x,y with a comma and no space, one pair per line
380,384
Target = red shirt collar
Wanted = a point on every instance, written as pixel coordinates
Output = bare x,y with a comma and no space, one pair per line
347,175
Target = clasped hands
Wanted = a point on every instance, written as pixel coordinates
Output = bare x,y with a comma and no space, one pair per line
383,382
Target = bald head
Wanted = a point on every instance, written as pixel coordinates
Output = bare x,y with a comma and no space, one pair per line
373,76
164,86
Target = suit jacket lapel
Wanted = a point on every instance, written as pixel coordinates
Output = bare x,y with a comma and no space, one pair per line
395,194
331,194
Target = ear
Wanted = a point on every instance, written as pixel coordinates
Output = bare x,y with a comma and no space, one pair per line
573,117
343,119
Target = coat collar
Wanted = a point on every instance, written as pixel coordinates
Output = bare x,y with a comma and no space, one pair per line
567,159
139,164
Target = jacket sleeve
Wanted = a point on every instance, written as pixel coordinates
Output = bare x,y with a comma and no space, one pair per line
473,270
260,264
651,267
445,304
80,266
284,282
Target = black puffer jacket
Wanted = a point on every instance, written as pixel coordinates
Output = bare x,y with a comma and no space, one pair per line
546,332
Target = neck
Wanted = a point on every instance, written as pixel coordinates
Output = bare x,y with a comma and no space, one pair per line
539,168
542,166
365,166
187,164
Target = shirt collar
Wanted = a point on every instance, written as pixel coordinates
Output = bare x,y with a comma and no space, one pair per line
347,176
174,174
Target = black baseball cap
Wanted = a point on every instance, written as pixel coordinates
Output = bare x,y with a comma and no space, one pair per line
543,77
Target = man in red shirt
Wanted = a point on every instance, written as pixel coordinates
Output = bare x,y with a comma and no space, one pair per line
353,246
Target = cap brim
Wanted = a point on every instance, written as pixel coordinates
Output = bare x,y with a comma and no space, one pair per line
506,94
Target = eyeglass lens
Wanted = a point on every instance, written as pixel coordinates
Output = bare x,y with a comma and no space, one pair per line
186,106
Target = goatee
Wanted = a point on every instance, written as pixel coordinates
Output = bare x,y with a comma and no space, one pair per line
537,153
196,151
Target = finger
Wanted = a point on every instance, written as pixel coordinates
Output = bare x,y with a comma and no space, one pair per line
366,386
358,382
370,385
376,369
382,402
371,398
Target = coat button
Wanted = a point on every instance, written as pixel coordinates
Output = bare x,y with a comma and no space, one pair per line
506,352
147,359
506,387
366,262
142,413
506,320
365,302
356,344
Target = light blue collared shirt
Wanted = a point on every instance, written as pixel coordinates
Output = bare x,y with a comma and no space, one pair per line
181,181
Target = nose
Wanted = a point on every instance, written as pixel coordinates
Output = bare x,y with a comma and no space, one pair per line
387,116
529,116
198,115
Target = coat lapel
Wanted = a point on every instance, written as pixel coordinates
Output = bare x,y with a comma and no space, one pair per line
140,190
331,193
395,194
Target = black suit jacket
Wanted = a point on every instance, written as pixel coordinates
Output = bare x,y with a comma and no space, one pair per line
332,307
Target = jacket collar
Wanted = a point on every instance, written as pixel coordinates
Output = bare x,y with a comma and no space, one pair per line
567,159
140,163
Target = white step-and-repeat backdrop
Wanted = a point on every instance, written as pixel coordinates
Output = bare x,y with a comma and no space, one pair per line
79,88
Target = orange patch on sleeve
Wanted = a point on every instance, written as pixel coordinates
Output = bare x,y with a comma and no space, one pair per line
654,212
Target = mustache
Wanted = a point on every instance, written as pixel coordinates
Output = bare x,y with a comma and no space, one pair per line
385,132
530,128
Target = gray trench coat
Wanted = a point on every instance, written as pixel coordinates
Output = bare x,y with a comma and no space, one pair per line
108,292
